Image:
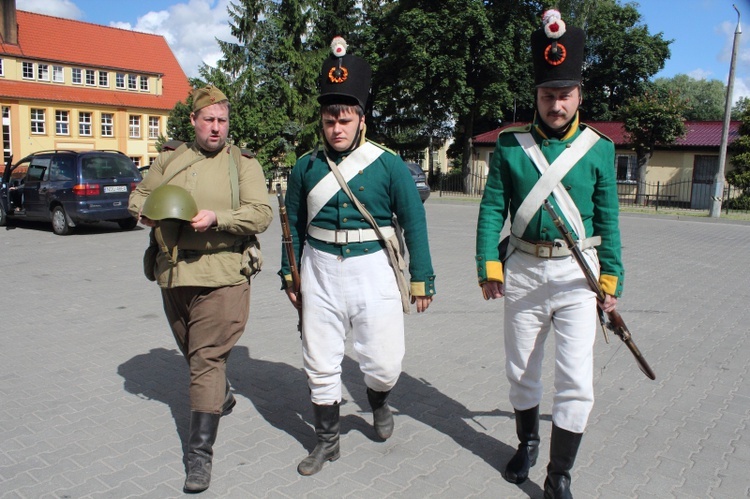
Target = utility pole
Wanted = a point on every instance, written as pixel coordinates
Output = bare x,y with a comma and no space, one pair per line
715,210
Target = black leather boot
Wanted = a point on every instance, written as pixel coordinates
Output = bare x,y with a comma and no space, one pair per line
229,401
527,429
327,431
203,429
381,413
562,455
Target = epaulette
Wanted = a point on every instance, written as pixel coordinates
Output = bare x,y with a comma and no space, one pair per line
517,129
382,147
584,125
248,153
171,145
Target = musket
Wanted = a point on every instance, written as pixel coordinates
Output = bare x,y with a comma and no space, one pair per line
615,324
288,243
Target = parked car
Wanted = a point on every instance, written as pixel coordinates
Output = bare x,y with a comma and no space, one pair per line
68,188
420,180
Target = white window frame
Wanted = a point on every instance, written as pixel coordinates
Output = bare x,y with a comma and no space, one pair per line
27,70
134,126
143,80
58,74
7,139
108,125
153,127
103,79
119,80
42,72
38,121
136,161
90,76
62,122
76,76
2,73
132,82
84,123
631,172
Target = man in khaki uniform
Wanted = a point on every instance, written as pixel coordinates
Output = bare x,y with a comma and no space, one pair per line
206,296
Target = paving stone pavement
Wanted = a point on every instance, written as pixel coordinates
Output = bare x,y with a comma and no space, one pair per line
93,395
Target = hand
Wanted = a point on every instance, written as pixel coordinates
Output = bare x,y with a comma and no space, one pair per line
423,302
147,221
295,298
204,220
493,290
609,305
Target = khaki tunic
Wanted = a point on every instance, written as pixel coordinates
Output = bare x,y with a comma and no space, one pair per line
207,180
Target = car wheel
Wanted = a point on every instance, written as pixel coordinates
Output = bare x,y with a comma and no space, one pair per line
60,221
127,223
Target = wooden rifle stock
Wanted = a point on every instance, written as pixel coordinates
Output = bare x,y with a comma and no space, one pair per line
288,243
615,324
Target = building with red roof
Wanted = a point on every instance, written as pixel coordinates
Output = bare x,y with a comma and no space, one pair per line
68,84
690,163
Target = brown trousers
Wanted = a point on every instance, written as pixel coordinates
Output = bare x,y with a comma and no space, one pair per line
207,323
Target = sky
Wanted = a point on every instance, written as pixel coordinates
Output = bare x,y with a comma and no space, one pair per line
703,31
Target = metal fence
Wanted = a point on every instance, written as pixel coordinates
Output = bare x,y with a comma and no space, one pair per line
686,195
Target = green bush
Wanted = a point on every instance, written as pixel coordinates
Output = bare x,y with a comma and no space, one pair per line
741,203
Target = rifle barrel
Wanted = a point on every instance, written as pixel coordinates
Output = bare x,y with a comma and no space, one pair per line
616,323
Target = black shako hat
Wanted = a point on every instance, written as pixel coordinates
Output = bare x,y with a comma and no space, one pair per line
344,78
557,52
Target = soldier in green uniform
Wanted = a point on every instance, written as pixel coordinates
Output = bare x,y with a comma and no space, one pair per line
348,284
205,292
560,159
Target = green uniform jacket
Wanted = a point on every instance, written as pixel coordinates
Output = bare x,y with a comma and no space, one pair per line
591,183
385,187
208,181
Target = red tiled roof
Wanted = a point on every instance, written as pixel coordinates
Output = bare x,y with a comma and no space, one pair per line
698,134
71,42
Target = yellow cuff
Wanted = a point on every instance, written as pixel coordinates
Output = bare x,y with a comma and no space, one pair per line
608,284
494,271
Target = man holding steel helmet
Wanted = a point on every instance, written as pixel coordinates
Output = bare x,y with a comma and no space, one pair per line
200,259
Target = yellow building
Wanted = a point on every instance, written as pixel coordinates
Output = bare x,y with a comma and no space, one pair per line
68,84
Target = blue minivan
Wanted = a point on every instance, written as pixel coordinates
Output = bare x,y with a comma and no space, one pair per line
68,188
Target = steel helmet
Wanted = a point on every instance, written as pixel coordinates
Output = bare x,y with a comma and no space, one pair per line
169,201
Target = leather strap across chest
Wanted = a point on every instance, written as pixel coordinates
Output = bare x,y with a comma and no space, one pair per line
358,160
552,175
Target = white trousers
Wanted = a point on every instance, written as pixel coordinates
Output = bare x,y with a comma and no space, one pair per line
357,295
543,295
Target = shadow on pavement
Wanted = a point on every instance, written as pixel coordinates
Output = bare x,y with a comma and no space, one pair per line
280,395
161,375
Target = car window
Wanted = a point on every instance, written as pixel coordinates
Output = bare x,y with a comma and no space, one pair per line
415,169
99,167
62,168
38,169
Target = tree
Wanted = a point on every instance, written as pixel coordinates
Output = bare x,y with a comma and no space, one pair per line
704,99
743,104
441,65
654,118
739,157
267,75
621,56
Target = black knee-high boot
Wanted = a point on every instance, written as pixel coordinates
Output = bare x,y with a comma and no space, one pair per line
563,449
203,429
229,401
327,431
381,413
527,429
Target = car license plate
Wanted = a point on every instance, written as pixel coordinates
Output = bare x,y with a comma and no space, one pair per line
108,189
421,184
